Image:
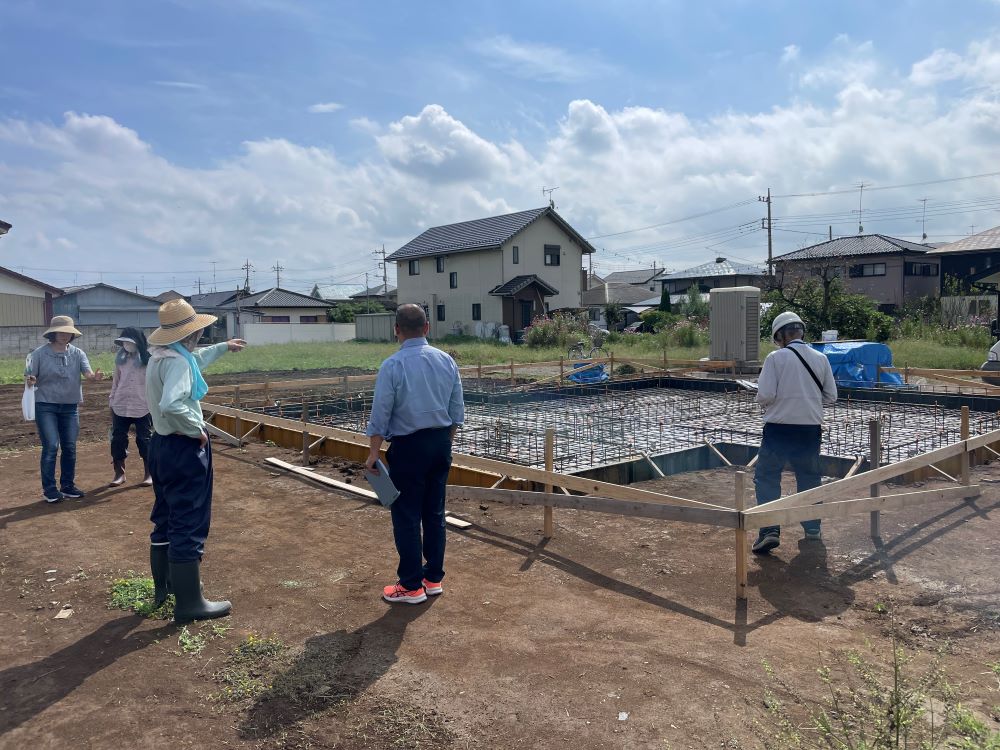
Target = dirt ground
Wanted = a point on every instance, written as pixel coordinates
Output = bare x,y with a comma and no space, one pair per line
617,633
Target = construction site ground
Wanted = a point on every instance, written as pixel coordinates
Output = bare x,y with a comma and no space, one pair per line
617,633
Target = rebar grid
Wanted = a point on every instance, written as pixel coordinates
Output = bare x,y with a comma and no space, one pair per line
598,425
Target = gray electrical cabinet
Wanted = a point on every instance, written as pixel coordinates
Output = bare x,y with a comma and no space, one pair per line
734,325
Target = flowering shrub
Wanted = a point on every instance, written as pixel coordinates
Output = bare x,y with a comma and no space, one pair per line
686,333
558,330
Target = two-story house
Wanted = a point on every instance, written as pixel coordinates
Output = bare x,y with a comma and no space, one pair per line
475,275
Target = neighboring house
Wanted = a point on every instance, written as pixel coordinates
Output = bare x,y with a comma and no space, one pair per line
25,301
971,260
475,275
648,278
103,304
335,292
168,295
377,295
721,274
887,270
275,305
628,295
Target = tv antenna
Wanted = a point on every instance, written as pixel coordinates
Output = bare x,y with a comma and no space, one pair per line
547,192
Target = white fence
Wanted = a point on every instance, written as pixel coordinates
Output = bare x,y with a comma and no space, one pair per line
258,334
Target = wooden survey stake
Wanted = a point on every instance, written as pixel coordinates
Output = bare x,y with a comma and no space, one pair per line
741,538
874,456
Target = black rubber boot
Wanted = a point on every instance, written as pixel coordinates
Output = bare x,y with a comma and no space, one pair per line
160,565
191,604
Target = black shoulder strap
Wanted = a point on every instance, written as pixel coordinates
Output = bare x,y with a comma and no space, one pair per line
808,368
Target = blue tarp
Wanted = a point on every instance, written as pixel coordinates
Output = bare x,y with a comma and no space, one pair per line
854,363
592,374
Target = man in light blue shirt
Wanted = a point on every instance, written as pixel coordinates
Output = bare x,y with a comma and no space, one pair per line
418,407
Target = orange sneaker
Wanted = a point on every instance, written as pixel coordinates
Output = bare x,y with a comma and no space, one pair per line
433,589
396,594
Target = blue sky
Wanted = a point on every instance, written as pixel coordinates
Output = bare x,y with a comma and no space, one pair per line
153,137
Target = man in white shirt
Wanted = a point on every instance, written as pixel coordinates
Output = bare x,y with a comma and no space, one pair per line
794,385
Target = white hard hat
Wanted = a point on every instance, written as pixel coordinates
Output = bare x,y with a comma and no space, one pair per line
784,319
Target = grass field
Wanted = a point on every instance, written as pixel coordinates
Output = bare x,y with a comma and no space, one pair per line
912,352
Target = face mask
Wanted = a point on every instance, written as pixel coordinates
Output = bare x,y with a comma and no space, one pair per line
129,347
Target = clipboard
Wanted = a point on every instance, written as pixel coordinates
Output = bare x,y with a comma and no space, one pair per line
382,484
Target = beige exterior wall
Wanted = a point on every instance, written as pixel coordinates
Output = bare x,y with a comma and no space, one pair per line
10,285
22,310
480,271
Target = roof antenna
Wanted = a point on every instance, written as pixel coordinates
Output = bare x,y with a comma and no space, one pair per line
548,192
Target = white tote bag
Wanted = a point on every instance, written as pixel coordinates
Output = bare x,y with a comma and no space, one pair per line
28,403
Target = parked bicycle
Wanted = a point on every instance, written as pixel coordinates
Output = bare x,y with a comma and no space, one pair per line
579,351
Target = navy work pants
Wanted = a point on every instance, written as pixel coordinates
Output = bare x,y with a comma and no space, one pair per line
182,482
58,427
119,435
418,466
795,445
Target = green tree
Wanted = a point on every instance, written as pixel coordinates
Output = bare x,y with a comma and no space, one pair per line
345,311
614,313
664,305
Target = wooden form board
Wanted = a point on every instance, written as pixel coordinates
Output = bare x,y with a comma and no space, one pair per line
635,508
328,481
765,516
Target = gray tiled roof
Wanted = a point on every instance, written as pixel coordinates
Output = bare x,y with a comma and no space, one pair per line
277,298
988,240
101,284
862,244
515,285
723,268
634,277
480,234
627,294
210,299
375,291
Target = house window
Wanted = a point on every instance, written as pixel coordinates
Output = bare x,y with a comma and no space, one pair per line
517,254
439,262
309,318
552,255
921,269
866,269
275,319
440,312
414,268
453,280
477,311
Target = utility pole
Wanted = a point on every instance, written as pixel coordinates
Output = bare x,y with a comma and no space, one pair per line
277,268
214,289
923,219
199,285
767,226
368,298
385,270
861,194
248,267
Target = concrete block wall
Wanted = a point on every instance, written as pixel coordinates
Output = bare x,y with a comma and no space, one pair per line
20,340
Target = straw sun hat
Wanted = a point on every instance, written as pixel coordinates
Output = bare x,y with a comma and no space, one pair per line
62,324
178,320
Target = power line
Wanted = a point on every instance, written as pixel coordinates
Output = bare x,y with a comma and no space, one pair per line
890,187
675,221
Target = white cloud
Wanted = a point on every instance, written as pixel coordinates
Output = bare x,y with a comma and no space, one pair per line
539,62
322,108
183,85
980,65
94,182
790,53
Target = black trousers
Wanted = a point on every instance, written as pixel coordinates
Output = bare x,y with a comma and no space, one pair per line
418,466
182,482
119,435
795,445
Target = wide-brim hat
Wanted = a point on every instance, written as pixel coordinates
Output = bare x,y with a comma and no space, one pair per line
62,324
178,320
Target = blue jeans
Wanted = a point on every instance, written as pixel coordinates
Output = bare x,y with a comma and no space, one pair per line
58,426
796,445
418,466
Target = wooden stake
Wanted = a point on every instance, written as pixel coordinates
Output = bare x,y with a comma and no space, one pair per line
306,441
741,538
562,373
718,453
874,454
267,390
479,371
239,421
966,457
611,370
652,463
550,441
512,381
